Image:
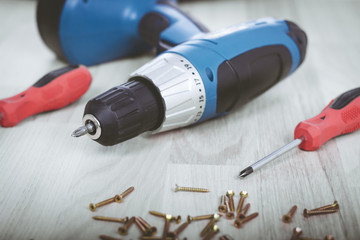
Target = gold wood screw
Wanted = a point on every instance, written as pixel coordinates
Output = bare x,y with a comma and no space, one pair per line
225,237
123,230
287,218
229,214
197,218
335,205
111,219
168,218
212,233
308,213
296,233
104,237
222,207
153,229
244,211
125,193
177,231
143,229
163,215
230,195
243,195
216,217
239,222
190,189
107,201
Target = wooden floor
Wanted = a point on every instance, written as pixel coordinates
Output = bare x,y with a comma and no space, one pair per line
48,178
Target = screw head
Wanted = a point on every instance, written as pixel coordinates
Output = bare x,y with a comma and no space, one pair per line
230,193
244,194
217,216
336,206
177,219
230,215
153,231
305,213
168,217
286,218
222,208
237,223
297,230
122,231
118,198
92,207
189,219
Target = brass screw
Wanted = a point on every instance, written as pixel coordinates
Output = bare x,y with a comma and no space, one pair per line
308,213
229,214
230,195
202,217
296,233
335,205
111,219
125,193
154,238
107,201
190,189
177,231
163,215
104,237
287,218
329,237
123,230
168,218
306,238
243,195
222,207
153,230
243,212
239,222
212,233
143,229
225,237
216,217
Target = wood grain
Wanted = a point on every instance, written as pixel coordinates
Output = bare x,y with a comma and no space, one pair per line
48,179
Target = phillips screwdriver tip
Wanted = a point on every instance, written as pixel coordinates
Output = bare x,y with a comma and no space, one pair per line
81,131
246,171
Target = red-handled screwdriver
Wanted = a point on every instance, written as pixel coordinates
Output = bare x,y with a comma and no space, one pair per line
55,90
341,116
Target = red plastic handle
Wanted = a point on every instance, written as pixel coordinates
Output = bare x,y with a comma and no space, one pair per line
341,116
55,90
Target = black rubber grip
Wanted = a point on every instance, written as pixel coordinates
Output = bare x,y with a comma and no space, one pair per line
53,75
344,99
126,111
250,74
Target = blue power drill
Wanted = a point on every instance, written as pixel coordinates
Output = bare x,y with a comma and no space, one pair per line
197,80
95,31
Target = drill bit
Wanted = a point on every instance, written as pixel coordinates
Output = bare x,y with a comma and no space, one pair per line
270,157
83,130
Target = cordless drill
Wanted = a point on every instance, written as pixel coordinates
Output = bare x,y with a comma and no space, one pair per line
197,80
90,32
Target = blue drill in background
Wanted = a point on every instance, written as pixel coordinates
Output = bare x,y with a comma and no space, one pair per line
197,80
95,31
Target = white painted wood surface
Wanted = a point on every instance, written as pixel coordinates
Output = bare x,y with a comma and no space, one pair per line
47,178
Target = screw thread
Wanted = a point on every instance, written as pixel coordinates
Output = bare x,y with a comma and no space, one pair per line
111,219
145,223
335,205
210,224
157,214
127,192
181,228
318,212
292,211
240,205
166,227
191,189
212,233
243,212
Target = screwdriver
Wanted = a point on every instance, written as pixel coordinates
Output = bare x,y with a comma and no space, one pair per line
55,90
340,116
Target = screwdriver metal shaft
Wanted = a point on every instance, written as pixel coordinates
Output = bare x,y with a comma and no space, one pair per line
270,157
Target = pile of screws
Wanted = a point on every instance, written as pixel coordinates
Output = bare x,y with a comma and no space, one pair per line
211,229
228,207
327,209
